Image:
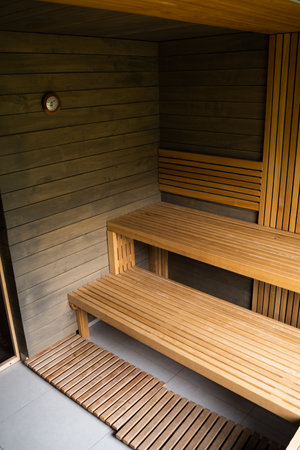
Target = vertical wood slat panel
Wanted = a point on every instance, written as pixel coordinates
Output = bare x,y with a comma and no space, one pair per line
279,207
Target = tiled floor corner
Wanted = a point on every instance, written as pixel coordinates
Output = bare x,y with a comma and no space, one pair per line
36,416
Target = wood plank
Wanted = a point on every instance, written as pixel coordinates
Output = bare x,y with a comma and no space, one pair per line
122,404
222,438
31,103
142,410
183,428
165,437
103,395
151,439
142,312
104,367
233,141
224,253
36,121
280,180
144,415
210,44
118,421
253,165
213,94
40,63
188,178
47,138
218,108
247,127
31,83
158,261
139,432
112,404
13,42
252,17
192,431
79,369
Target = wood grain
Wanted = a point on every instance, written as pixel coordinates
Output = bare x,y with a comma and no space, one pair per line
252,16
61,179
246,352
224,242
281,180
133,402
227,181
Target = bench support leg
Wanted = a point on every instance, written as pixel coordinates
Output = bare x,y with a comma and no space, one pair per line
82,322
120,253
158,261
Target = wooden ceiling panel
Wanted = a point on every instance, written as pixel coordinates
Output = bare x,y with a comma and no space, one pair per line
54,18
264,16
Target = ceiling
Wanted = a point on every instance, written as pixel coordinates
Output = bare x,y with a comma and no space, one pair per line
36,16
57,18
264,16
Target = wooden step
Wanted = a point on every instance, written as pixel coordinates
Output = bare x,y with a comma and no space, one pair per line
252,355
144,413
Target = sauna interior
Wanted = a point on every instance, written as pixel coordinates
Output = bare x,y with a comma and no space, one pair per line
190,104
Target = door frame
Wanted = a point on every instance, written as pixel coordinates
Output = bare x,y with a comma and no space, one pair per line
16,357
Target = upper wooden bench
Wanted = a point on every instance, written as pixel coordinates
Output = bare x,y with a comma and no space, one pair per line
258,252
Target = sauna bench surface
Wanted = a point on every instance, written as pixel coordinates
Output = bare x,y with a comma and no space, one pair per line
250,354
252,250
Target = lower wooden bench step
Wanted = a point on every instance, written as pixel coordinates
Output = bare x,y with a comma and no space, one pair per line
250,354
144,413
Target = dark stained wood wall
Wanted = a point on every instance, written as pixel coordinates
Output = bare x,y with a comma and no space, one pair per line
212,101
212,93
63,176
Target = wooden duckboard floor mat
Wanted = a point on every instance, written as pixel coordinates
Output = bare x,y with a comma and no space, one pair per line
142,411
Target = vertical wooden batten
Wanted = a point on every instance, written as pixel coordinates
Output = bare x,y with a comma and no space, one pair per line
280,201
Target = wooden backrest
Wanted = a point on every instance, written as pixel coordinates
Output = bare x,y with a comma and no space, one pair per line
229,181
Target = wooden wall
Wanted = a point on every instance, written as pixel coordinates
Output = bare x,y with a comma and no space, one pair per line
212,93
63,176
212,101
280,205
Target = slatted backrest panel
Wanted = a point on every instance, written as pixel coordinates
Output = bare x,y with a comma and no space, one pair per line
229,181
280,205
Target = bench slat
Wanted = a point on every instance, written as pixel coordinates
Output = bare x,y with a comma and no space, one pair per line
252,250
186,325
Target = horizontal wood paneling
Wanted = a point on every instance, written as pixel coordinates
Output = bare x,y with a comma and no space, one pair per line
212,101
28,83
63,177
206,86
90,98
12,42
80,133
228,181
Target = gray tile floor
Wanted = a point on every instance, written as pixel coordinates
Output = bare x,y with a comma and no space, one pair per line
36,416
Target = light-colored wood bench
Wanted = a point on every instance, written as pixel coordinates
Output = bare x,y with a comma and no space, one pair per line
249,249
254,356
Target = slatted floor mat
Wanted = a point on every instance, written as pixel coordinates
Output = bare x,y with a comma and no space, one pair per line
144,413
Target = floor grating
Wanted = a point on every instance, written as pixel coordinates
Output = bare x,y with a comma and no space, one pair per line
142,411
